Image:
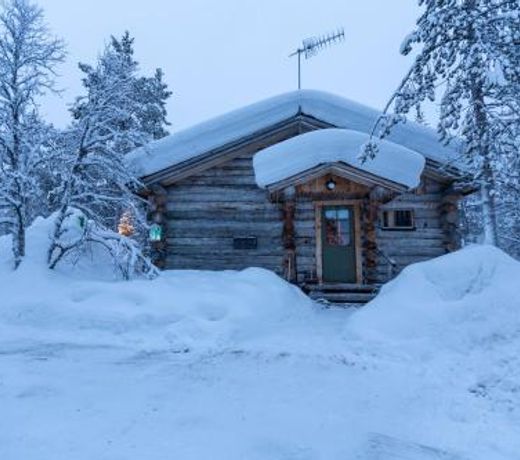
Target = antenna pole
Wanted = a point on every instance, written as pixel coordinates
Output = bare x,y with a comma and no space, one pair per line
299,70
311,46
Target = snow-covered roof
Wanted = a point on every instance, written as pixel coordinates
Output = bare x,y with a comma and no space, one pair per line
302,153
230,127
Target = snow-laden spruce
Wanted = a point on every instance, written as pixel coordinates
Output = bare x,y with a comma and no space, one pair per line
302,153
96,181
469,59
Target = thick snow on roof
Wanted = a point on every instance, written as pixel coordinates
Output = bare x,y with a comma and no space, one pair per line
304,152
338,111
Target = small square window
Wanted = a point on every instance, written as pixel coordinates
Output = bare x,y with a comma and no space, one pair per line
399,219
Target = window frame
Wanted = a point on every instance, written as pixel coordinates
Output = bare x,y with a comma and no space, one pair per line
388,220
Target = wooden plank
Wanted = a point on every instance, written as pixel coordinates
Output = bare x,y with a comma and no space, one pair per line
229,215
319,246
423,233
357,236
273,241
217,207
227,180
266,227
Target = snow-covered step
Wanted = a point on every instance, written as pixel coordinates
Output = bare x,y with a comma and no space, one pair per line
343,297
341,287
342,293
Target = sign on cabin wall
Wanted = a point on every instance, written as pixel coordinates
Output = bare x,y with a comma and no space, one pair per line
247,242
155,233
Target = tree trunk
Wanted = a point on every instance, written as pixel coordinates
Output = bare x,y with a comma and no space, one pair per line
488,214
19,239
482,134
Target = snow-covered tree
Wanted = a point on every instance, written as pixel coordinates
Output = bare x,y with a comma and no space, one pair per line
28,59
151,92
97,185
468,57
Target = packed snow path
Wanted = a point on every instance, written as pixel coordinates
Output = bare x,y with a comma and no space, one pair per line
68,402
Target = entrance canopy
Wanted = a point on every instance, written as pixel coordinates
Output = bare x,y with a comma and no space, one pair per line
306,152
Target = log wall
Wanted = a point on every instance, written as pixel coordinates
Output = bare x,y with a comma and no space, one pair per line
432,236
205,212
410,246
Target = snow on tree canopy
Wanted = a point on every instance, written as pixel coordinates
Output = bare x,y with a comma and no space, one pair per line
301,153
228,128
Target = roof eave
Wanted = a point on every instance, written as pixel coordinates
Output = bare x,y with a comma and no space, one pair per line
215,156
340,169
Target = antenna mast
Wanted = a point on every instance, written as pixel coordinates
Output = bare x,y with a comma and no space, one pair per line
311,46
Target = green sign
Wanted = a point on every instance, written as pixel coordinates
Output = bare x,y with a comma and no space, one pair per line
155,232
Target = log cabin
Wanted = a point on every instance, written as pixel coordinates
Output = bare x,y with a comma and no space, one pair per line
280,185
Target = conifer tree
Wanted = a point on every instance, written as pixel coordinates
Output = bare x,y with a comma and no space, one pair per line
151,92
468,58
97,182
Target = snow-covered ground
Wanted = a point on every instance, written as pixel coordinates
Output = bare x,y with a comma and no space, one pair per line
241,365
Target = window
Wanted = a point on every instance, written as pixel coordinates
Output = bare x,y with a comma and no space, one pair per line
399,219
337,226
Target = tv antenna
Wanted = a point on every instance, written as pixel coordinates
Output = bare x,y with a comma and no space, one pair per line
311,46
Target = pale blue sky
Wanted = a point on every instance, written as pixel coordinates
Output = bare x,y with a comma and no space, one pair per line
220,55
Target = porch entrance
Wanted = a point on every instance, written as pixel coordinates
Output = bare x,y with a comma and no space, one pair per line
338,244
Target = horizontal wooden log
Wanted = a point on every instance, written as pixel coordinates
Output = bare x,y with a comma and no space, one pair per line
224,180
259,197
244,227
273,243
225,215
220,190
220,262
423,233
414,198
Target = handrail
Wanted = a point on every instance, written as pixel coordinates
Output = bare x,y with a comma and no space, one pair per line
392,264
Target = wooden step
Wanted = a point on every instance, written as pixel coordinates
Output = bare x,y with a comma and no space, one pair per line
343,297
341,293
341,287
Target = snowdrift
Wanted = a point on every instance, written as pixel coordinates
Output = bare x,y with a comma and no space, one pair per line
461,300
180,310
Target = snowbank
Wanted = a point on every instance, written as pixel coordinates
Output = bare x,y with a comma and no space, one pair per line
85,303
304,152
462,300
225,129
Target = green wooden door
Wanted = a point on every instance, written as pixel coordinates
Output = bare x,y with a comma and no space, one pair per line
338,244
